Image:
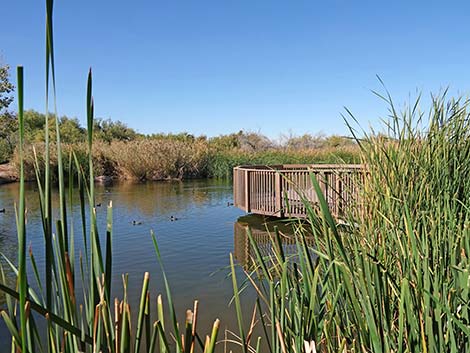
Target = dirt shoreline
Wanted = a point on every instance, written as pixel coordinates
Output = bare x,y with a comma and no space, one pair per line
8,173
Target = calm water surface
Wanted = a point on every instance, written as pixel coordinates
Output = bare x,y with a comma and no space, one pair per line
195,248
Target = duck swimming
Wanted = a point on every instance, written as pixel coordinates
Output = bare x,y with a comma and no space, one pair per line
2,210
136,223
173,218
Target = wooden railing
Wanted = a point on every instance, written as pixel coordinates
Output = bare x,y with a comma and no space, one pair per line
281,190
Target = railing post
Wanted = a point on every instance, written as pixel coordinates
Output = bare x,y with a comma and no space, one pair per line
323,186
247,191
339,194
235,186
278,194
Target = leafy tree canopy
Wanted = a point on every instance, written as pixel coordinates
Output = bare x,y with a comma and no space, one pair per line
8,124
6,88
108,130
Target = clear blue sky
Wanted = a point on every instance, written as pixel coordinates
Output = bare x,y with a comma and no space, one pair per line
218,66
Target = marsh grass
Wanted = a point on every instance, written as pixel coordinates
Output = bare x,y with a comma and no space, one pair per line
159,158
221,163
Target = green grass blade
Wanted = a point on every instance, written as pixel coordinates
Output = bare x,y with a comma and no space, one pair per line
21,216
12,328
153,339
238,307
213,339
179,343
140,320
109,250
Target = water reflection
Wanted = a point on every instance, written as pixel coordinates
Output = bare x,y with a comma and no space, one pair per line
262,231
163,198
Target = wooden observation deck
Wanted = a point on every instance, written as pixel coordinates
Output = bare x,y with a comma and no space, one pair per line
281,190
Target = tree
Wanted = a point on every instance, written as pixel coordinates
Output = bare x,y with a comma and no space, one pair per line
8,123
6,87
253,141
108,130
225,142
70,129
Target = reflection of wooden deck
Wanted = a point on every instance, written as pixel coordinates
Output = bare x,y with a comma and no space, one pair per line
264,236
281,190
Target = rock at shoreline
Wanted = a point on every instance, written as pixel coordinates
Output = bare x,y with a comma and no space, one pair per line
104,179
8,173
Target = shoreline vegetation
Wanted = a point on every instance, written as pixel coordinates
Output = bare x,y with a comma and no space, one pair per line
120,153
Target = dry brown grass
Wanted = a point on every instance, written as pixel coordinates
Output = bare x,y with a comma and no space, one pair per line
169,158
159,159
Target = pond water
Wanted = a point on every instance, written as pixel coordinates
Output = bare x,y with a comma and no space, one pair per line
195,248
